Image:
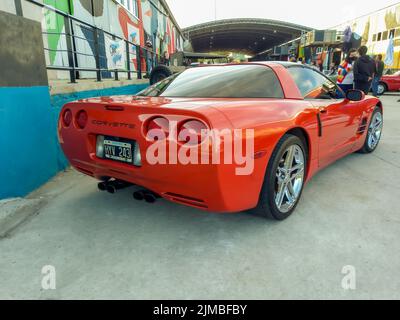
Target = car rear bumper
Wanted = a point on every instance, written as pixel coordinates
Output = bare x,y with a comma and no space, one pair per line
213,188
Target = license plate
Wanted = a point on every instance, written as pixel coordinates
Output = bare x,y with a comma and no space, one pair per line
118,149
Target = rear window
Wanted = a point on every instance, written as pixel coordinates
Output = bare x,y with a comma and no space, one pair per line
239,81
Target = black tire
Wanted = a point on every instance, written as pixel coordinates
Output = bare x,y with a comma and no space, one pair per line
159,73
366,147
267,206
385,88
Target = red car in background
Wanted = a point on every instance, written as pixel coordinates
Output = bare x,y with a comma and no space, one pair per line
389,83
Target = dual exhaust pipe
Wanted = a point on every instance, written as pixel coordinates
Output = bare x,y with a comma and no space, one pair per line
148,196
112,186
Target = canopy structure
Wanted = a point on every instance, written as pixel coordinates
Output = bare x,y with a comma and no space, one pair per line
250,36
203,55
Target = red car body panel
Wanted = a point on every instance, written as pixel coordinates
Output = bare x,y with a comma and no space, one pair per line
392,82
332,128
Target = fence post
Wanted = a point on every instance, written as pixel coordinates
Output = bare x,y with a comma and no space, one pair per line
147,62
128,60
68,38
115,70
139,62
97,52
77,75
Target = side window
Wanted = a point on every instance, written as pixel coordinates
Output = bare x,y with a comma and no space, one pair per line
313,85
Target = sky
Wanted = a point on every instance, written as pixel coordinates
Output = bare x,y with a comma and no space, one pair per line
318,14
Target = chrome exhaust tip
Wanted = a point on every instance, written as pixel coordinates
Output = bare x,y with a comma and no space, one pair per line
102,186
111,189
112,186
150,197
139,195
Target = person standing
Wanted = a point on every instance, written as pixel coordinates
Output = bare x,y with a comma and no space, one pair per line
333,69
314,65
380,66
345,79
364,71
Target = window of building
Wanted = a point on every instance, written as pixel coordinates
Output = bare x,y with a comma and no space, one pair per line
392,33
397,33
130,5
379,36
385,35
374,37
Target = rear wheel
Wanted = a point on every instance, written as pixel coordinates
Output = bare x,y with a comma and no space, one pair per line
284,179
374,132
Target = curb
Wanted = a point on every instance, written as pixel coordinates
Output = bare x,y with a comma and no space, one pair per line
14,212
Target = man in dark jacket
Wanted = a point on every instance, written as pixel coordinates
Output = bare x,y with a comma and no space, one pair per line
380,66
364,71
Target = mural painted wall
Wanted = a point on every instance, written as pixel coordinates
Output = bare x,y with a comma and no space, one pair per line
151,28
376,29
55,26
28,113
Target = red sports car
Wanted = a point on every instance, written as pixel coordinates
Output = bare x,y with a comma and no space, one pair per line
389,83
224,138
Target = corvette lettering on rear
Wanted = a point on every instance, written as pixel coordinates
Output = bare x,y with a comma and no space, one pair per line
113,124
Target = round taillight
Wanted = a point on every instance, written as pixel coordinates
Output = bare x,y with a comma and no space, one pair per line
67,117
193,132
158,129
81,119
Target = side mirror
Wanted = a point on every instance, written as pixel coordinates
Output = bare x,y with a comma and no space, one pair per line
355,95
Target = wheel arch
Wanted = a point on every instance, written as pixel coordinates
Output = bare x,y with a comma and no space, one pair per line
301,133
304,136
379,105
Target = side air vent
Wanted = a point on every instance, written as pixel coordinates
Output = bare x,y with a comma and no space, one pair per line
186,200
363,126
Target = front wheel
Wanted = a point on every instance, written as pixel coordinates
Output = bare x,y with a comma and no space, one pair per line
374,132
381,88
284,179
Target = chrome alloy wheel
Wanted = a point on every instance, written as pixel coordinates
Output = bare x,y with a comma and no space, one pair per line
289,178
375,130
381,89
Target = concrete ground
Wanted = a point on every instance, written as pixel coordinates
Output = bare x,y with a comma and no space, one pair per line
105,246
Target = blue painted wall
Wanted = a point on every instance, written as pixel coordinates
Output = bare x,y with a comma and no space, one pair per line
29,151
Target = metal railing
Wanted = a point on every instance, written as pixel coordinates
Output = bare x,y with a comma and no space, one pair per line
146,59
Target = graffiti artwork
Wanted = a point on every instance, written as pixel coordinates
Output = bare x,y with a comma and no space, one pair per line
152,29
115,54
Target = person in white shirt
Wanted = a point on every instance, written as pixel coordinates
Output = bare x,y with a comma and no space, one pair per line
345,78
